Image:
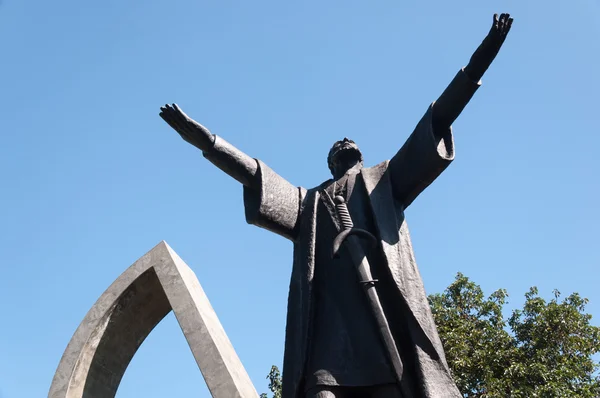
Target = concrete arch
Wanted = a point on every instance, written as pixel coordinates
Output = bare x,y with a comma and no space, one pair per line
99,352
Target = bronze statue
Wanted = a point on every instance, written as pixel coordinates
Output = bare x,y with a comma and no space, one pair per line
341,343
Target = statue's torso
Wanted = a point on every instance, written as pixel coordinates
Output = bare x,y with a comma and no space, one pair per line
345,345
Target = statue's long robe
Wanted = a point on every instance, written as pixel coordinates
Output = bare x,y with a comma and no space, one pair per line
391,187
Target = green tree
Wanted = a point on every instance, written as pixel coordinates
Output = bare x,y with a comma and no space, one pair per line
543,350
274,378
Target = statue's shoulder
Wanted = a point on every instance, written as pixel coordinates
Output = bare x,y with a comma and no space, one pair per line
319,187
381,167
375,173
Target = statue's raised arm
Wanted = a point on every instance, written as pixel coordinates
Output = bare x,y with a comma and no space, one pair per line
232,161
270,201
454,99
430,148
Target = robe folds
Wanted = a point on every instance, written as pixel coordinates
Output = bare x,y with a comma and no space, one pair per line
391,186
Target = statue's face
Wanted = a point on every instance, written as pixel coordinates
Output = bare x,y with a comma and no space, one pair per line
343,152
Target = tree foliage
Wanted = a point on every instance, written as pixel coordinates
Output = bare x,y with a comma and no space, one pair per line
546,349
274,378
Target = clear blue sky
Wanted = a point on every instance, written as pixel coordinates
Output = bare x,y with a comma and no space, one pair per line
92,178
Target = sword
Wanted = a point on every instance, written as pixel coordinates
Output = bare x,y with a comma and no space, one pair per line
351,235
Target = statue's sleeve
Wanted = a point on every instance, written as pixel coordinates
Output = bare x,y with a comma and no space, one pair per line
426,154
421,160
274,204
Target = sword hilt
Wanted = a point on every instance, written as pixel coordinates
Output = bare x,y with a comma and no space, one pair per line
348,227
343,213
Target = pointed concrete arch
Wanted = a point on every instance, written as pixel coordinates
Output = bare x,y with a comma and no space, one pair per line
99,352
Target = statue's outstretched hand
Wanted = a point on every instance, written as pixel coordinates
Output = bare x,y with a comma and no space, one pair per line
489,48
190,130
500,28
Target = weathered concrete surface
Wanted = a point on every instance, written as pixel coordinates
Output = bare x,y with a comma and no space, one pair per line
97,356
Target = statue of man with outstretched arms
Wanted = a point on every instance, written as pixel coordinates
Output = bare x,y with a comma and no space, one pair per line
333,346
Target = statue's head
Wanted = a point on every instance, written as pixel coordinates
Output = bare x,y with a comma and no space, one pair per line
343,155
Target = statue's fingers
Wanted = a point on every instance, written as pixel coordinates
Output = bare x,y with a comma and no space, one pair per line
187,122
495,22
503,19
178,110
182,118
176,117
173,119
166,108
164,114
508,25
162,111
167,116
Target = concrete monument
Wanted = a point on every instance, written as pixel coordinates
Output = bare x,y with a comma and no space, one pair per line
97,356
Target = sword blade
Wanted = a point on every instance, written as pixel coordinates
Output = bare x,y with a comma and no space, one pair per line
358,255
